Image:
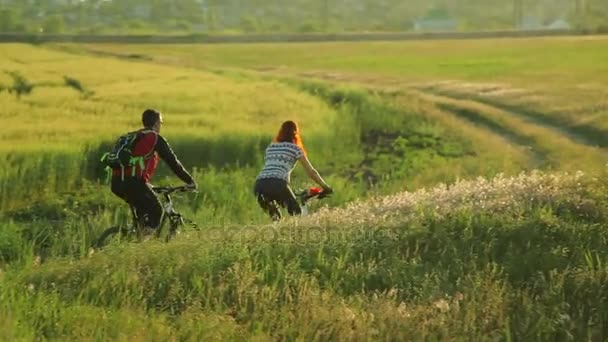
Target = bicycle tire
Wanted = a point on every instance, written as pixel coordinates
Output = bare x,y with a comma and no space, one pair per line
172,231
107,234
175,223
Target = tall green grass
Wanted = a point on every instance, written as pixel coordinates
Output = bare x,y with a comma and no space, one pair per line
371,144
53,137
351,135
359,156
520,258
513,258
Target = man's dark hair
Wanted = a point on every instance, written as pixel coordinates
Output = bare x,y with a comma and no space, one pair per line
150,117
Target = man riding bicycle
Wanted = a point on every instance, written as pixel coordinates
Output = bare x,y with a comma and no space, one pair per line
132,183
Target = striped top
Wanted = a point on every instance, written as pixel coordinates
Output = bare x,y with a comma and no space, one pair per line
280,159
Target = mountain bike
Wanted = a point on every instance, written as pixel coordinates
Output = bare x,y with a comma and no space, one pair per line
303,197
134,232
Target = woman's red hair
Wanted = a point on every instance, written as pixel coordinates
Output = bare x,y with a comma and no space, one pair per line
290,132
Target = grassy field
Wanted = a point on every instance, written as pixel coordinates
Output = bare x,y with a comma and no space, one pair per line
473,60
514,258
59,115
549,78
56,126
413,246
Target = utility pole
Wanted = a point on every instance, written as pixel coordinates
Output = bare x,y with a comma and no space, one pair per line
325,15
518,13
581,12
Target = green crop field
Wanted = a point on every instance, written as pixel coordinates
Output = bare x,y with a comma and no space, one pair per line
469,175
555,76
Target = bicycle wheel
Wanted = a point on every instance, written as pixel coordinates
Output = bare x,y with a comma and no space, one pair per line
175,223
270,207
115,233
173,227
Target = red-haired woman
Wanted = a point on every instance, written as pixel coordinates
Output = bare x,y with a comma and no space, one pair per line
272,183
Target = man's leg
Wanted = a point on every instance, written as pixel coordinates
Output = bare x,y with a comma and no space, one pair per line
119,188
146,204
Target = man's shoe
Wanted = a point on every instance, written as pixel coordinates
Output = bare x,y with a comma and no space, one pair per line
147,233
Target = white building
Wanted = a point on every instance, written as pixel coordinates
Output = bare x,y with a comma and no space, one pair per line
559,24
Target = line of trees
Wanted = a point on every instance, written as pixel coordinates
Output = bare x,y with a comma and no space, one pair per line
188,16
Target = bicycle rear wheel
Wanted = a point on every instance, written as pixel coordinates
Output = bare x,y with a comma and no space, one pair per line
115,233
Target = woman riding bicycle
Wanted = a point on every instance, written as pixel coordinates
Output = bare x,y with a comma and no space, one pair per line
272,183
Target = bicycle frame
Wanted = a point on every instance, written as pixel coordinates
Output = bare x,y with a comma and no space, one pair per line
303,197
169,212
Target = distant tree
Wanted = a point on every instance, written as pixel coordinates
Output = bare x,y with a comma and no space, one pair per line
181,26
136,24
53,24
211,18
325,14
518,13
249,24
9,19
309,27
274,27
438,13
293,15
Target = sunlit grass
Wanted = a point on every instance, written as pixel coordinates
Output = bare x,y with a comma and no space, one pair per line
555,148
525,61
564,78
195,103
479,259
518,256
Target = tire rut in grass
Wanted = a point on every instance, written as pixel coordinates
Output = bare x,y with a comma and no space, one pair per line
581,134
551,145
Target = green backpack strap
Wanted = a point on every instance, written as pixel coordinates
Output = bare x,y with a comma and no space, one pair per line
141,160
137,161
108,174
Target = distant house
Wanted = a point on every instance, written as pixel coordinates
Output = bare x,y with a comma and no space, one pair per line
436,19
559,24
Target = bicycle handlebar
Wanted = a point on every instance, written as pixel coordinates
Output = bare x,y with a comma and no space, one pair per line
308,194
